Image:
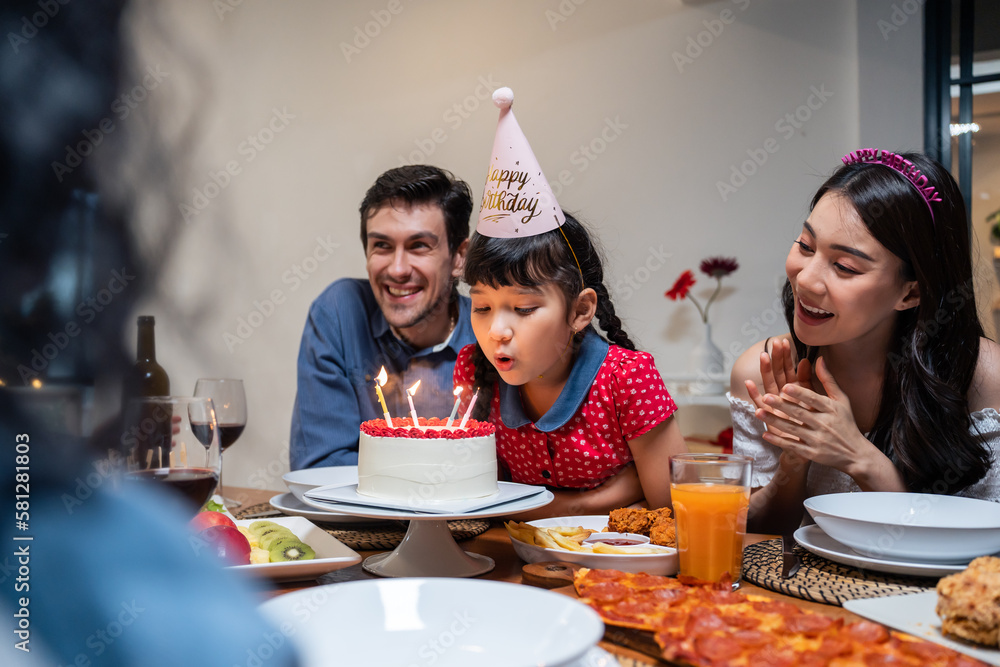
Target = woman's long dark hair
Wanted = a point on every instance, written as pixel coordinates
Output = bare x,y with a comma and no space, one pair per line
533,261
923,417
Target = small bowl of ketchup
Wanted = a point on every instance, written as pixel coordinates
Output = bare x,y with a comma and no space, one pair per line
618,539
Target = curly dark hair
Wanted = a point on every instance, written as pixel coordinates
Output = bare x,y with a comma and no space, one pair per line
533,261
923,423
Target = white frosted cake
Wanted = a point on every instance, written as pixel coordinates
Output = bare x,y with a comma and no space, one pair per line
429,462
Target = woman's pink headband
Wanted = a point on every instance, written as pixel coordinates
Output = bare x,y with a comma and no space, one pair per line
901,165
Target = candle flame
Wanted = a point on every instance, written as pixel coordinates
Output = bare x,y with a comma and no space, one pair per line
381,377
458,390
36,383
412,391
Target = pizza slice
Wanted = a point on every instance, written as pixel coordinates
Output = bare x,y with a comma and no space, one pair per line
706,624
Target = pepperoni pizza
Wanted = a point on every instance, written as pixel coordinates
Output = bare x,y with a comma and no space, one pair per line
706,624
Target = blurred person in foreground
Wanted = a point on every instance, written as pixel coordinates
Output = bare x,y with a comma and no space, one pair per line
92,574
407,317
885,381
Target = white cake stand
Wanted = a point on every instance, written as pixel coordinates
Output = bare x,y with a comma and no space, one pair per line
428,549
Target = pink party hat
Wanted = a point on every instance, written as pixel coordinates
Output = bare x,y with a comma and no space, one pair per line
517,200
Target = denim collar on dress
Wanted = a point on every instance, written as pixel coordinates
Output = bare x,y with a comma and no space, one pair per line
590,358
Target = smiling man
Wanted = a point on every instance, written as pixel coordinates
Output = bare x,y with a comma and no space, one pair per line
407,317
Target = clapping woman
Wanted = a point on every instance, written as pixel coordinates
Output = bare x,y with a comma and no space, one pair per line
884,381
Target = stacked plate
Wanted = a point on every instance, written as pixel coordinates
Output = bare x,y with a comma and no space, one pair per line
901,533
300,481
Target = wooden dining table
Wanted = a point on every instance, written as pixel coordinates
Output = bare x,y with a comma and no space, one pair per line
495,543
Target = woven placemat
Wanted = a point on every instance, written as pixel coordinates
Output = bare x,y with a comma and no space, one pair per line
822,580
380,535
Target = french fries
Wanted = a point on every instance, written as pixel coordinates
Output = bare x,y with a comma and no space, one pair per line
568,538
604,548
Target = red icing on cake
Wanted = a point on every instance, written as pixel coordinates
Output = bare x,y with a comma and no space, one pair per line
377,428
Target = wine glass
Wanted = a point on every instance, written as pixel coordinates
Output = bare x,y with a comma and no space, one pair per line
230,410
173,441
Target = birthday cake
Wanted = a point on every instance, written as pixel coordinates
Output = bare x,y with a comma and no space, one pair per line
427,462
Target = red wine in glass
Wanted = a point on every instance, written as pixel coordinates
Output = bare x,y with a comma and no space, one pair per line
203,431
173,442
195,484
230,411
229,433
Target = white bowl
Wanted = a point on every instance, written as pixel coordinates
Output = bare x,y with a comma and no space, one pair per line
300,481
915,527
445,622
665,563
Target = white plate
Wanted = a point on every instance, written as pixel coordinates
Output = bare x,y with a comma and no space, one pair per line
917,527
447,622
348,495
289,504
665,563
300,481
530,502
597,657
815,540
331,554
915,615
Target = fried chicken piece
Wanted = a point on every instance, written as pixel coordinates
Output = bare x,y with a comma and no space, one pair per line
663,531
657,525
969,602
629,520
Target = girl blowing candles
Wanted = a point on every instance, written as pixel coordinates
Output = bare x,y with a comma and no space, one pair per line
572,411
884,382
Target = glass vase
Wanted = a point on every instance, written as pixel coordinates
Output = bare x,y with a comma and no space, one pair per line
708,364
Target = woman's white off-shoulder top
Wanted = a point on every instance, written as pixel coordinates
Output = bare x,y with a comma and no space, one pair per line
748,441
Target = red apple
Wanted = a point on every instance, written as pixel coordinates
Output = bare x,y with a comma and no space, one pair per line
226,543
207,519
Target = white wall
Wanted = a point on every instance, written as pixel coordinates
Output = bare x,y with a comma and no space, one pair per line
663,134
890,76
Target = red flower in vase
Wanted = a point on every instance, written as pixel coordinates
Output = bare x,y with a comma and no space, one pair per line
681,287
713,267
718,267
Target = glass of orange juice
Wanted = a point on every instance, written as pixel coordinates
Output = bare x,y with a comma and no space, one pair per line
711,495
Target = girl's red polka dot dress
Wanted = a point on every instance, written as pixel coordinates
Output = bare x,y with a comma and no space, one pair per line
613,395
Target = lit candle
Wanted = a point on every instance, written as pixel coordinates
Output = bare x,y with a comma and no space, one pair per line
409,397
468,411
379,381
454,410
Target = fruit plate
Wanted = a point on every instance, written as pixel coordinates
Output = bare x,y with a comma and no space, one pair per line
331,554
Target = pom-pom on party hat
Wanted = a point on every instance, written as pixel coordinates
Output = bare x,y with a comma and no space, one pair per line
517,200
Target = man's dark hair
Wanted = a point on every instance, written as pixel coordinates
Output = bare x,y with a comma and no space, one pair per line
421,184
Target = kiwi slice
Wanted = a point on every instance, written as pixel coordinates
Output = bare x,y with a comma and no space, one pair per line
271,535
257,527
290,549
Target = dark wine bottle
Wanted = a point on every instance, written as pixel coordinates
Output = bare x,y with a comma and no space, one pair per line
146,377
146,432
